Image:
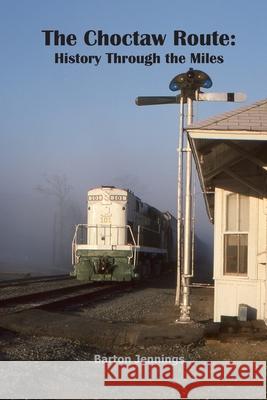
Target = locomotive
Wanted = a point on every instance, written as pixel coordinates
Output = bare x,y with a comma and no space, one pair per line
124,238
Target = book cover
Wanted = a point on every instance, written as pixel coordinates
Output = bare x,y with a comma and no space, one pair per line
96,95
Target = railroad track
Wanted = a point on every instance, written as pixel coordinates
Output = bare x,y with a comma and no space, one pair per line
35,279
61,297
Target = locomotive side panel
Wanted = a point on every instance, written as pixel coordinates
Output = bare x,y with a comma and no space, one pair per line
146,222
170,237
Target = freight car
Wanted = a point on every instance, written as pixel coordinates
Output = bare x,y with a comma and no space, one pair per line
124,238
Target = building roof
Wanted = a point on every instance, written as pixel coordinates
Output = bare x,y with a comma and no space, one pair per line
252,118
230,152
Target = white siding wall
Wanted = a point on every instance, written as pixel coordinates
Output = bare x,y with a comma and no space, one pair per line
232,290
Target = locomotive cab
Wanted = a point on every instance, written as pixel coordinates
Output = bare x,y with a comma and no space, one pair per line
107,217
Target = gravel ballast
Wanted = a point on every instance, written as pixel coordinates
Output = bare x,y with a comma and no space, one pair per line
144,312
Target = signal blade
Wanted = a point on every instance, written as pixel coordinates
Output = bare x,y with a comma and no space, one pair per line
154,100
233,97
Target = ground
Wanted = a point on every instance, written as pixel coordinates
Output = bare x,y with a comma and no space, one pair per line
140,322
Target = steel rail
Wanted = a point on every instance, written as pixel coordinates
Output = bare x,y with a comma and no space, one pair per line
60,297
35,279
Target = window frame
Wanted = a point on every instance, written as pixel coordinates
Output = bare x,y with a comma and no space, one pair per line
236,232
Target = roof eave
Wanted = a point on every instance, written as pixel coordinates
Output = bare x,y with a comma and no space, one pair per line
201,178
196,133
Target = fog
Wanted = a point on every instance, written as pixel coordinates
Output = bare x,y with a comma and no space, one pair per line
38,223
79,122
37,230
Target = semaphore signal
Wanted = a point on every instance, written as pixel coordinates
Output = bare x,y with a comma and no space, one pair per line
189,85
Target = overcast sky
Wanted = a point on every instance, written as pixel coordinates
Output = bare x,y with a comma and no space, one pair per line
80,120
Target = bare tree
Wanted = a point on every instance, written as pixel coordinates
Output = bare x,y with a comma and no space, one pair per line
58,187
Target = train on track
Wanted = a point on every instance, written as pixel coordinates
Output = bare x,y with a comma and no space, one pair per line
124,238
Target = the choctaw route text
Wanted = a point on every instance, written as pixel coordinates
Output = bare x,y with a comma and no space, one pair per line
103,42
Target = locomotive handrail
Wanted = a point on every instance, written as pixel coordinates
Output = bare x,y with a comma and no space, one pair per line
73,246
74,241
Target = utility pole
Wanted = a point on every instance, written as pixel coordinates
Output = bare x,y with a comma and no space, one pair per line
185,304
179,200
189,84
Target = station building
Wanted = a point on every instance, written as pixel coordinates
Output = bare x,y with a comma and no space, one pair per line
230,152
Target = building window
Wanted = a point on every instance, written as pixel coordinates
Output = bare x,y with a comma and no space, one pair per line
236,234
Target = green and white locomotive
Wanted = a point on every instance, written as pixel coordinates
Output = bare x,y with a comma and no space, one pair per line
124,238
